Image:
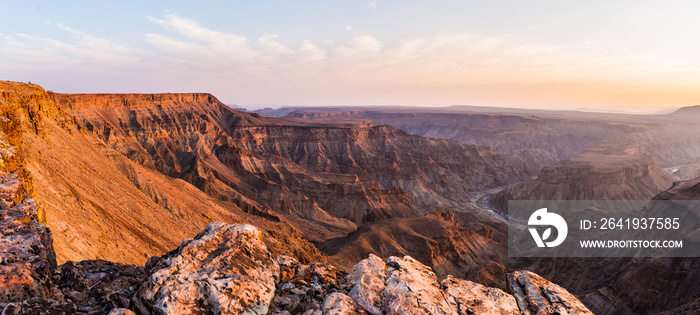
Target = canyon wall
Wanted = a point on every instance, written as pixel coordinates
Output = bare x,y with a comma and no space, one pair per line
336,175
593,175
102,205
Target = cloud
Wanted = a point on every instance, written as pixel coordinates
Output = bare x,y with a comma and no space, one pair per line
371,5
82,49
191,29
182,52
203,49
197,41
309,53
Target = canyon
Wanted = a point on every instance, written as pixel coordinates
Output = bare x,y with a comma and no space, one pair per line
326,210
53,156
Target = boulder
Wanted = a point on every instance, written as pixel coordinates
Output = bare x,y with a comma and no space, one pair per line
536,295
341,304
412,288
226,269
474,298
368,279
39,306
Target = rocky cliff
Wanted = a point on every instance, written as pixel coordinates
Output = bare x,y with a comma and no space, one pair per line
102,205
27,257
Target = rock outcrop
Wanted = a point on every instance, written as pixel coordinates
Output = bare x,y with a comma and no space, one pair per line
27,258
226,269
341,304
474,298
405,286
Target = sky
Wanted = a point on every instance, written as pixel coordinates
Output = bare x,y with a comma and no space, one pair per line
641,56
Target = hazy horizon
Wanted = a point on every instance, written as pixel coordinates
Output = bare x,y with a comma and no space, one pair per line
620,56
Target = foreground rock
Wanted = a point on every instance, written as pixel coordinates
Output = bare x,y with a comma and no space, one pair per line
405,286
98,285
412,287
226,269
38,305
302,288
474,298
536,295
26,253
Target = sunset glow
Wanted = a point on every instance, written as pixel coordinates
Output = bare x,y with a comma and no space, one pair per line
617,55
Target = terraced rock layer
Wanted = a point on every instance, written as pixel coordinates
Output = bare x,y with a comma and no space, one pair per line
333,175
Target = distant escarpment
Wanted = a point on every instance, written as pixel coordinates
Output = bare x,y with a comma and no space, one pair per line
687,111
336,175
529,141
598,174
532,139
